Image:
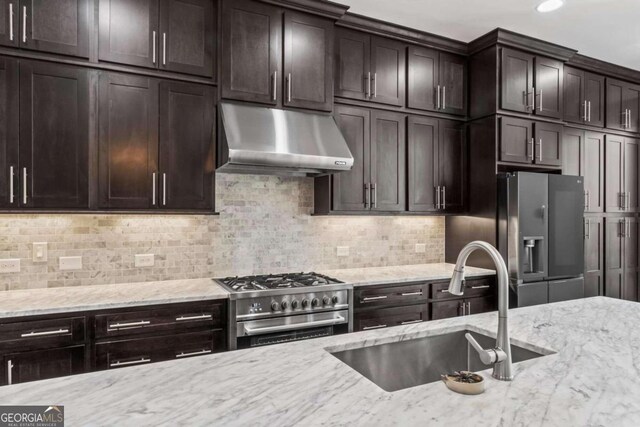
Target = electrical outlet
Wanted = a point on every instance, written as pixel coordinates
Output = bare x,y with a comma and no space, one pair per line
39,252
342,251
144,260
421,248
9,265
70,262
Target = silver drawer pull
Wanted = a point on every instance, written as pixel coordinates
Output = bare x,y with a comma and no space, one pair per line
129,324
193,353
409,322
366,328
374,298
481,287
129,362
45,333
408,294
443,291
199,317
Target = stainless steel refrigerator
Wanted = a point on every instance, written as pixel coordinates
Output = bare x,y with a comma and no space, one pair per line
540,236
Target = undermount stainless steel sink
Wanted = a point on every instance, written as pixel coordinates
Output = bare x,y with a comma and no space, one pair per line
399,365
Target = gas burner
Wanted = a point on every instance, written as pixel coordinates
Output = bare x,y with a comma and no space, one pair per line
276,281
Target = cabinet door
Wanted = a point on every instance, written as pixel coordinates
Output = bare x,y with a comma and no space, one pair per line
630,284
593,256
187,36
446,309
56,26
351,188
614,158
9,22
423,79
480,305
572,152
9,116
548,137
548,86
128,141
575,107
54,135
631,164
453,78
251,51
593,171
388,161
516,81
187,143
129,32
614,257
308,61
516,140
631,102
387,71
423,162
594,97
352,74
616,114
452,165
43,364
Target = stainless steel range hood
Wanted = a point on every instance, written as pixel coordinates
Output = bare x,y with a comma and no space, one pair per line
260,140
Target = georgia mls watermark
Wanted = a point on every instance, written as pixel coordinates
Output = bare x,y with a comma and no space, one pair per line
31,416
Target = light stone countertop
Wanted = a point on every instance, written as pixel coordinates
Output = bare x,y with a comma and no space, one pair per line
402,273
31,302
592,380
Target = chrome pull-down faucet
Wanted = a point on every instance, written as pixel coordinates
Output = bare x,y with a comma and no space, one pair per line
500,356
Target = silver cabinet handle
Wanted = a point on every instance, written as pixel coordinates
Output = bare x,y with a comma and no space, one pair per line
438,197
468,308
198,317
45,333
589,112
481,287
164,48
366,328
531,142
367,195
24,186
368,94
629,115
9,372
289,87
443,291
153,47
193,353
587,228
164,189
621,200
621,228
584,115
379,297
11,21
408,294
374,198
153,189
24,24
444,197
274,96
464,308
129,362
409,322
375,85
11,189
540,150
444,97
438,98
137,324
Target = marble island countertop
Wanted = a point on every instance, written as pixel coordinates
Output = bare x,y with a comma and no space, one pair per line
590,380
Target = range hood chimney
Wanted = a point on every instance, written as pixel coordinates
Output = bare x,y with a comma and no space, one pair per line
260,140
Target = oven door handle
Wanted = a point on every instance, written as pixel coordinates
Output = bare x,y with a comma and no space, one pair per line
268,329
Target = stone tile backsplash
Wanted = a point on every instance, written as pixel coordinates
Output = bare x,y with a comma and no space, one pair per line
265,225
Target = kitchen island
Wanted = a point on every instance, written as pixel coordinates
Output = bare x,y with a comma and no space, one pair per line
588,377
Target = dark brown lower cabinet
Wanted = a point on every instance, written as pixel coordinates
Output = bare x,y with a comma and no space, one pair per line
462,307
42,364
593,256
393,316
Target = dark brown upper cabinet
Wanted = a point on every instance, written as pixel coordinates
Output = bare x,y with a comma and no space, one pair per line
264,63
187,145
9,119
47,26
583,155
423,159
593,256
622,162
583,97
452,165
54,136
573,152
175,35
370,68
623,105
388,161
531,84
548,141
437,81
525,141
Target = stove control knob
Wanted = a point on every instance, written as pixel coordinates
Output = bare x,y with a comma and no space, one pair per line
305,303
284,305
275,306
294,304
335,299
315,302
326,300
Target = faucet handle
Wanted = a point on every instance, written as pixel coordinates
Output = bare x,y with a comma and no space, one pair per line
488,357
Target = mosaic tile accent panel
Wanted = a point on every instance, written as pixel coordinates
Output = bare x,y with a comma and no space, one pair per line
265,225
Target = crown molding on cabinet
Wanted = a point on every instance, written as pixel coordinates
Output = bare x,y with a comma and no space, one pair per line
603,67
324,8
530,44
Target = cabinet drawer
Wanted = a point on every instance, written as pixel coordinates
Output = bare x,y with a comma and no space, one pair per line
391,295
46,333
140,351
472,288
386,317
169,319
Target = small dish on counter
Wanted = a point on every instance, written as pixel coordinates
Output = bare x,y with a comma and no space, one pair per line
464,382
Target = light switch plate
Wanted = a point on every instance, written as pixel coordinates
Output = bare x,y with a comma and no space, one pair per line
10,265
39,252
70,262
144,260
421,248
342,251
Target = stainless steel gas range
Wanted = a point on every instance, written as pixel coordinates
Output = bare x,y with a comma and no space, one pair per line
271,309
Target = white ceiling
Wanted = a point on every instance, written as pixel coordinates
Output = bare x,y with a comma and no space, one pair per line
608,30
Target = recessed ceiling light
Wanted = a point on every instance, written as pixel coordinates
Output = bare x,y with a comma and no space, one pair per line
549,5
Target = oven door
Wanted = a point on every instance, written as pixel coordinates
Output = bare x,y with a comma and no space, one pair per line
256,333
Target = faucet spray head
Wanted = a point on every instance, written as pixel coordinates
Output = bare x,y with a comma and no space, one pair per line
455,285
